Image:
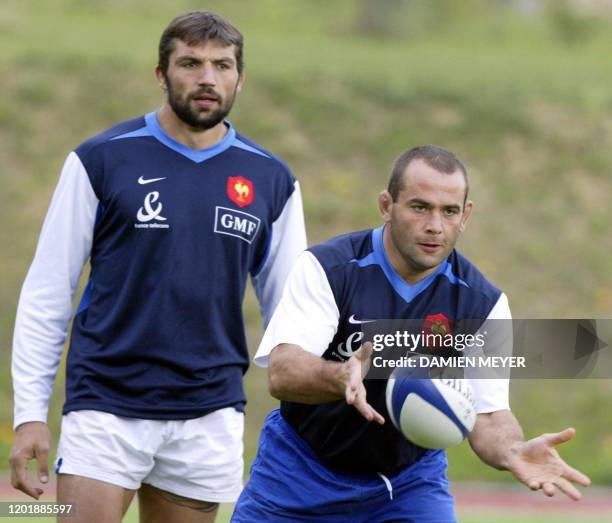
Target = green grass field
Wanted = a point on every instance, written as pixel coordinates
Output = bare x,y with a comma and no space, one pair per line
524,100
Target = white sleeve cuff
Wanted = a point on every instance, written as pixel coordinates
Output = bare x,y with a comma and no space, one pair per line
28,415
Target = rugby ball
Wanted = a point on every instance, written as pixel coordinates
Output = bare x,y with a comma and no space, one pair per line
433,413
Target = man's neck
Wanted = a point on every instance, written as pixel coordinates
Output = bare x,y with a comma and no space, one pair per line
409,274
181,132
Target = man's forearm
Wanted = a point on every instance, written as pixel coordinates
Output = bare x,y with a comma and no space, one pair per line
496,437
296,375
45,302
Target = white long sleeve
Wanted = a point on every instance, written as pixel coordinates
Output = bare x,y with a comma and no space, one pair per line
45,303
493,394
288,241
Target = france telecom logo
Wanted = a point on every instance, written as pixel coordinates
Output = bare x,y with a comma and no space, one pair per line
149,213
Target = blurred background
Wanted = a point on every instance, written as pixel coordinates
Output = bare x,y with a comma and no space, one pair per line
520,90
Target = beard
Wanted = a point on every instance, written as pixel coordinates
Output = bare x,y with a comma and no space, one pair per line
413,257
181,105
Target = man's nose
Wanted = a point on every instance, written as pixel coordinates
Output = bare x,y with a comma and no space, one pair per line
434,223
208,76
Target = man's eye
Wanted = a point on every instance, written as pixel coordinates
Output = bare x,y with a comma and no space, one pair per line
419,208
450,212
223,66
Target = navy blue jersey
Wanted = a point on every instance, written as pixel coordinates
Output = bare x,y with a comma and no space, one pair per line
172,235
363,285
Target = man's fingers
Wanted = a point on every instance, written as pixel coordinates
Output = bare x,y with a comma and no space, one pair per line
33,492
357,367
32,441
42,462
19,477
561,437
565,486
352,387
363,407
351,395
18,470
377,417
568,489
549,489
367,411
25,486
575,475
355,390
534,485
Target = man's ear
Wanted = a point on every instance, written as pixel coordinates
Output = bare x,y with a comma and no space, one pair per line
467,212
385,203
161,79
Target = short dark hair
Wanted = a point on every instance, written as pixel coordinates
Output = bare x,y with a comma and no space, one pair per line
436,157
199,26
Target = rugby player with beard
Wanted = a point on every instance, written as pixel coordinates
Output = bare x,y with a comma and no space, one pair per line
174,211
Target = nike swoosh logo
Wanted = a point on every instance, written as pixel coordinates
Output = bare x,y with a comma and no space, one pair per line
355,321
142,181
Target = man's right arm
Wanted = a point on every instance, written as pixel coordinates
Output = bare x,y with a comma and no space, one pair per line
297,375
301,329
45,307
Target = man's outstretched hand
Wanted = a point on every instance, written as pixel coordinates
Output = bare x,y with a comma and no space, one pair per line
538,465
356,368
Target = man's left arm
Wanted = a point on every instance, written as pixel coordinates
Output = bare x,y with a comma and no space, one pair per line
497,439
287,240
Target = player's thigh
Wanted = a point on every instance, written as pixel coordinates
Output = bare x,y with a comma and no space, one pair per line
160,506
108,448
202,458
420,494
93,501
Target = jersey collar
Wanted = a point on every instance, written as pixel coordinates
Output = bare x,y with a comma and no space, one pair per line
195,155
401,286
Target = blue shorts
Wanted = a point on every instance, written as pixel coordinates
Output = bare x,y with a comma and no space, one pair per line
289,484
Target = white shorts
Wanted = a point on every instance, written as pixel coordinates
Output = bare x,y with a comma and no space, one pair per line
198,458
